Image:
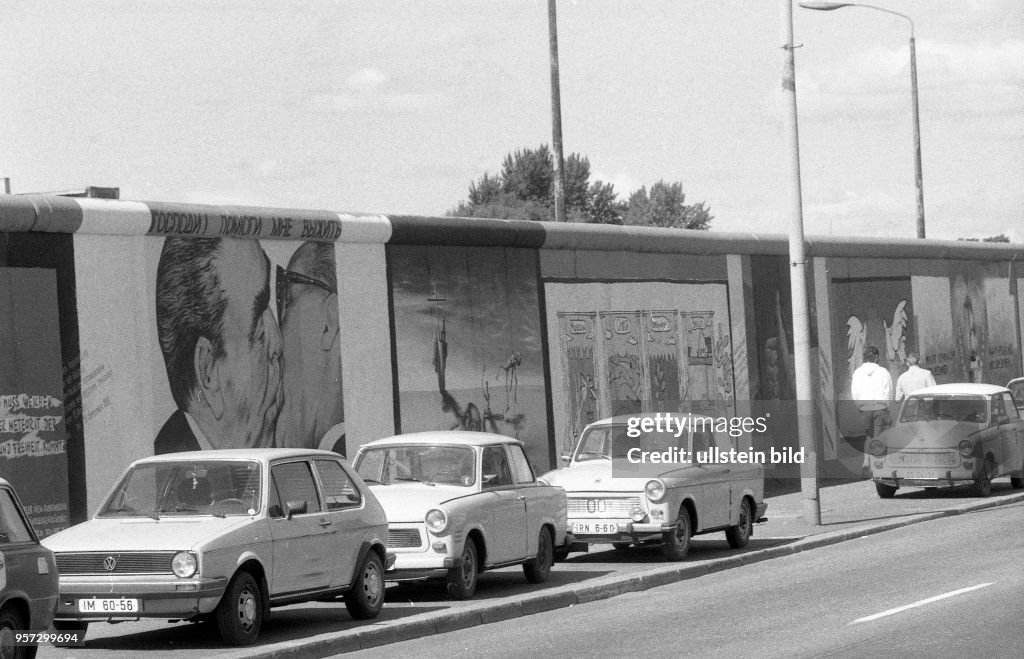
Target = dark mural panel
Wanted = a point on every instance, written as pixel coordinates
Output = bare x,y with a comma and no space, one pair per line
468,342
40,420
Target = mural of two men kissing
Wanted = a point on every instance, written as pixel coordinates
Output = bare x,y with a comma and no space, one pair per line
249,364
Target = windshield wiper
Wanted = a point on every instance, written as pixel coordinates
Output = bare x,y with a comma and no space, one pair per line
414,480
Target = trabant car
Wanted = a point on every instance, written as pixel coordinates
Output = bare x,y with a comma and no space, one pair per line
224,535
612,500
951,434
28,577
460,502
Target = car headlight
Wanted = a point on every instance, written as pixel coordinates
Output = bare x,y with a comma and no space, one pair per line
184,564
655,490
437,521
876,447
966,447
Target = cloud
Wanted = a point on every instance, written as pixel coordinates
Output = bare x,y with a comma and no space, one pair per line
370,90
982,78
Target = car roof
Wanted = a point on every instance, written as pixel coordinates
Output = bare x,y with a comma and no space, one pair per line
962,388
464,437
260,454
623,419
4,482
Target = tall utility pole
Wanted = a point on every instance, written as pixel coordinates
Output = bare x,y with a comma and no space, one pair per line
556,116
798,286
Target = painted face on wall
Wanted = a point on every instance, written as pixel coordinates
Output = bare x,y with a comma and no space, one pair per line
249,372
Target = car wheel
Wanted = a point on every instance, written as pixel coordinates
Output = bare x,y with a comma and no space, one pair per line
10,624
739,535
885,491
366,597
675,544
462,579
240,612
538,569
983,486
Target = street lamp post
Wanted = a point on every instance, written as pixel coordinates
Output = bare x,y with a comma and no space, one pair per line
918,177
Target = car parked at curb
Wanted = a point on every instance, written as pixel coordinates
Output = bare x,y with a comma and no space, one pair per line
28,577
224,535
613,500
461,502
951,434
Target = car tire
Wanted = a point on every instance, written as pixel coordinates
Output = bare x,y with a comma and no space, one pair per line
676,544
462,579
10,624
366,597
240,612
739,535
982,487
885,491
538,568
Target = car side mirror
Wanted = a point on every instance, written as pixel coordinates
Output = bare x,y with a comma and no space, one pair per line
566,458
293,508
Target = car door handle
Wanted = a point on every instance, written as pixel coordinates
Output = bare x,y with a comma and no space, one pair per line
325,522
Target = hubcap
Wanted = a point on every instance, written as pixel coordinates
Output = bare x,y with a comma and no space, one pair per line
247,609
468,567
372,583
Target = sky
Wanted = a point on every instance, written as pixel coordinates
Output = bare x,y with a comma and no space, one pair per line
395,107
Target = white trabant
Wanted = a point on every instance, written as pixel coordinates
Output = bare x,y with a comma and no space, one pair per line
460,502
951,434
224,535
614,500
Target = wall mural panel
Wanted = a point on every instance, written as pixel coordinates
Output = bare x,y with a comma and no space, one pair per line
468,342
662,347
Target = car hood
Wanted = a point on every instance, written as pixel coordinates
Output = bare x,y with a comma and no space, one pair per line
929,434
143,534
410,502
594,476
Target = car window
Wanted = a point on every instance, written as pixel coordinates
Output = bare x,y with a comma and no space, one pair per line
1017,389
1011,408
339,490
293,481
13,527
520,465
998,409
496,471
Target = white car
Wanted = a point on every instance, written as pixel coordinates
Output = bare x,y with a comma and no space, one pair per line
612,500
460,502
224,535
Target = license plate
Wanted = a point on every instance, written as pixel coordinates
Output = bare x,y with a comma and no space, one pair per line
108,606
595,527
922,473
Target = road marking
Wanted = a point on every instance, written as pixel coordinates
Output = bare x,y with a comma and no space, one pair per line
900,609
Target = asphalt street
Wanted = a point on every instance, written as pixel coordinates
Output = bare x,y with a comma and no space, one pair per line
849,513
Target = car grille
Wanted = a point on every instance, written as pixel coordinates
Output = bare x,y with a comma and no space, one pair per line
143,562
601,506
404,538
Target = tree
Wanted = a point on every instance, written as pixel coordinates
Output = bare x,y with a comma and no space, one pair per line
665,206
1001,238
524,189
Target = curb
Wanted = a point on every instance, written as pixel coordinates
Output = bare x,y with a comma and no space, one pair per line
427,624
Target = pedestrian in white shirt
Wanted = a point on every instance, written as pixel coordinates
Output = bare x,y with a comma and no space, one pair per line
913,378
871,389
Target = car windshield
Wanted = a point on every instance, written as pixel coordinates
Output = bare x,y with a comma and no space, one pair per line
196,487
614,442
447,465
970,409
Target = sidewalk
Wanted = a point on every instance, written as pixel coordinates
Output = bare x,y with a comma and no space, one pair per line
848,511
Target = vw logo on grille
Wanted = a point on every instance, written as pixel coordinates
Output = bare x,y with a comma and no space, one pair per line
109,563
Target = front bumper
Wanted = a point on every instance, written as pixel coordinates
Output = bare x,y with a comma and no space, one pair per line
158,597
625,531
923,477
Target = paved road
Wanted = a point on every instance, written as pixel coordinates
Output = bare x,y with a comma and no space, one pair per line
848,511
945,588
